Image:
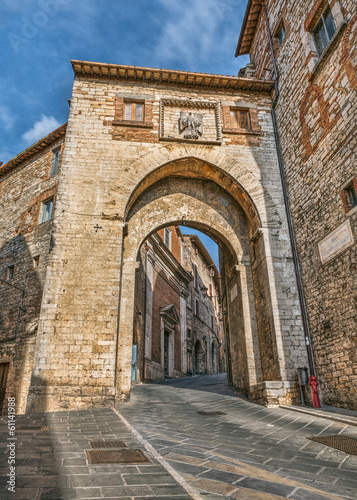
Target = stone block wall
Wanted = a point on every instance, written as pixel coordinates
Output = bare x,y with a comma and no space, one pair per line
25,246
317,123
85,331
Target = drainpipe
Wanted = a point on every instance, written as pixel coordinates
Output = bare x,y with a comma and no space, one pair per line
312,379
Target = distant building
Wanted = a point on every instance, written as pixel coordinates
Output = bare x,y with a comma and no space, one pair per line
205,340
176,324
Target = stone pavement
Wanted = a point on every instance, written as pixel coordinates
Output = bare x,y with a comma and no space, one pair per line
249,453
51,464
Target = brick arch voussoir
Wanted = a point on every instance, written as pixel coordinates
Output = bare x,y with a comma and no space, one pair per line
346,60
219,168
324,120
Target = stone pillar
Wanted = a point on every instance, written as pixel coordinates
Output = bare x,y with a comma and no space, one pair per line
125,334
183,327
148,311
250,324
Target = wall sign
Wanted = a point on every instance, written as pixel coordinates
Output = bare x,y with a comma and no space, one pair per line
336,242
234,292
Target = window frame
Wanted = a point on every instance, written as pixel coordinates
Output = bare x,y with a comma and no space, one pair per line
237,110
10,271
281,30
351,195
197,307
314,31
45,203
167,234
36,261
133,103
195,276
55,161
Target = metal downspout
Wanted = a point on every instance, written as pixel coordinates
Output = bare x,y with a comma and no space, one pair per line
290,226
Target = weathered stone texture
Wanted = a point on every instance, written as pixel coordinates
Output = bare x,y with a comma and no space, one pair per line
316,115
25,244
119,183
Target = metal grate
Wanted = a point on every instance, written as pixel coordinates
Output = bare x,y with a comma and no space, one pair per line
211,413
33,427
123,456
342,443
107,444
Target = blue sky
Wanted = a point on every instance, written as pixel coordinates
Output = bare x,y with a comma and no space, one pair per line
211,246
40,37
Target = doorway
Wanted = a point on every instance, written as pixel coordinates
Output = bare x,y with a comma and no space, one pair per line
4,371
166,354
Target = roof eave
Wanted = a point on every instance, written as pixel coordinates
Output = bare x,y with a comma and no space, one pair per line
250,23
246,15
97,70
32,150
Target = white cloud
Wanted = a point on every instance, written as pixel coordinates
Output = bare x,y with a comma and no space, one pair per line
41,128
194,29
6,117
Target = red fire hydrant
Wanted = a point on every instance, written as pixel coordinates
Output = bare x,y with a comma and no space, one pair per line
313,383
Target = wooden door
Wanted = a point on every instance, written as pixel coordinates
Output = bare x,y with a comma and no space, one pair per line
4,370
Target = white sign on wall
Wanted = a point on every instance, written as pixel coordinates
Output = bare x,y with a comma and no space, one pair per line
336,242
234,292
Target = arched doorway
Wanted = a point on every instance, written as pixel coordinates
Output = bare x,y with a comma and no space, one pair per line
199,359
213,358
193,192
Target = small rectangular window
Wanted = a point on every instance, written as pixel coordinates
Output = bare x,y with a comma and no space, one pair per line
351,196
240,119
55,161
281,35
168,238
10,273
134,111
324,30
210,290
197,307
195,276
47,210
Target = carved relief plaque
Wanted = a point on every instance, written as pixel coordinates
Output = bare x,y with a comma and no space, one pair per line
190,121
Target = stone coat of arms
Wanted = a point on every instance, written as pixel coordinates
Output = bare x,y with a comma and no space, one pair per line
191,124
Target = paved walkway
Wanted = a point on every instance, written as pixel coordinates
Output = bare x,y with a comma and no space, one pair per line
249,452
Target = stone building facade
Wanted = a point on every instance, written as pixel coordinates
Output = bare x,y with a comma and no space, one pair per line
28,186
176,315
147,149
160,327
205,340
314,50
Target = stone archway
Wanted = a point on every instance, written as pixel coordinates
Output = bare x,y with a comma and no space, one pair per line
255,271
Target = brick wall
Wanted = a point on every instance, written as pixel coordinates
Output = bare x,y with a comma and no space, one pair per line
110,199
25,244
317,123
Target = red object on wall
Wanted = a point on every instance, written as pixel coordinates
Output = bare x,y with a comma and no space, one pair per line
315,392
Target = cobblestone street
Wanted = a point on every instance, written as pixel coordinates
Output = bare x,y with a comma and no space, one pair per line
247,452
